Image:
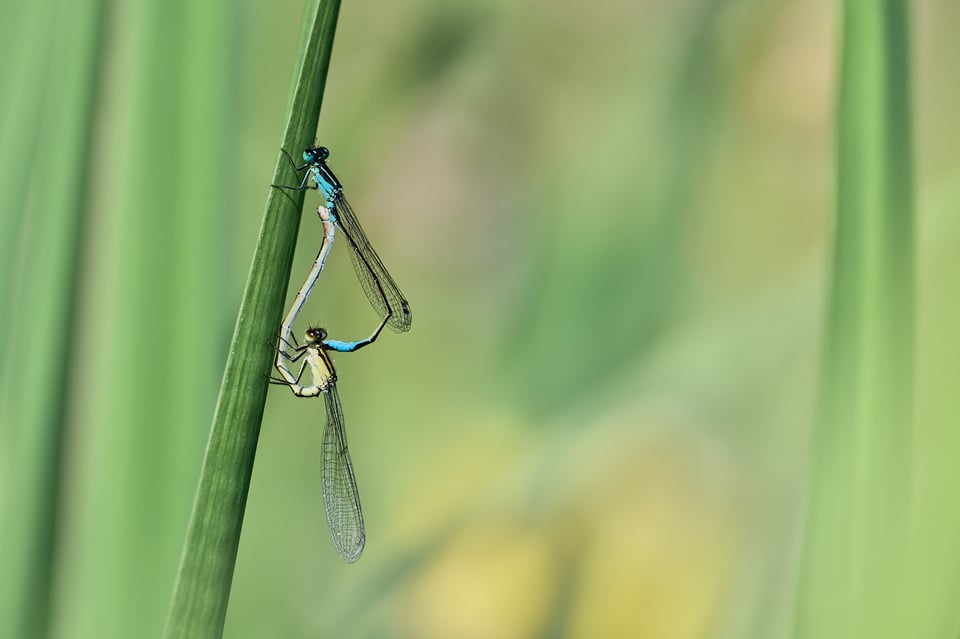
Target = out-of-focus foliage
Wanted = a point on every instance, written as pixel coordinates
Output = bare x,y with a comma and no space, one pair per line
613,223
859,512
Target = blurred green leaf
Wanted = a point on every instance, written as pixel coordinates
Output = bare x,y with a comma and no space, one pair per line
152,296
609,270
859,502
45,223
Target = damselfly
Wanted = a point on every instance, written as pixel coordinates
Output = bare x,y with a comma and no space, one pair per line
340,496
381,290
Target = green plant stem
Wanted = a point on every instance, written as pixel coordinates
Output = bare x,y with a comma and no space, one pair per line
859,500
199,604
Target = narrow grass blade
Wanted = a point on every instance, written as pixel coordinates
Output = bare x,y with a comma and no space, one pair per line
859,502
203,583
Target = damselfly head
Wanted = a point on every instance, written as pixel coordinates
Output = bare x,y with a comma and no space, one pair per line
315,154
315,335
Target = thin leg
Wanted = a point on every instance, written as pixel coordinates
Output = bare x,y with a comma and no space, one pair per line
292,163
303,185
286,382
292,347
291,383
288,378
284,359
297,169
300,352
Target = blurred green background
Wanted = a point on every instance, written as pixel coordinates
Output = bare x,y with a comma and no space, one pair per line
613,223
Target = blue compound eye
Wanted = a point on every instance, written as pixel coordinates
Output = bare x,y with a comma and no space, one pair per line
316,154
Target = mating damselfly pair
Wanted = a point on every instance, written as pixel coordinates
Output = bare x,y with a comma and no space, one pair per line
340,495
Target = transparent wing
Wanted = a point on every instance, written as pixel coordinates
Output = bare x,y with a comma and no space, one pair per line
380,288
340,496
